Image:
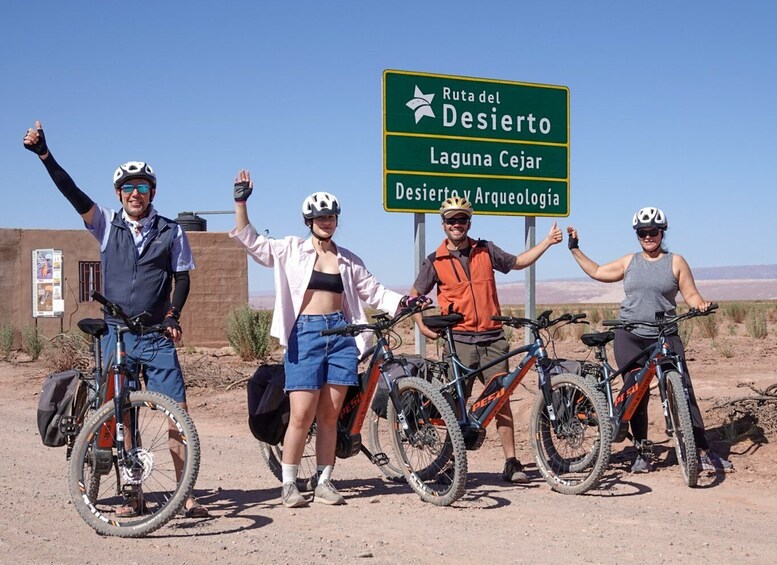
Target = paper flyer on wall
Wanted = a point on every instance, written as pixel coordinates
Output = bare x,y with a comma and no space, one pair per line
47,296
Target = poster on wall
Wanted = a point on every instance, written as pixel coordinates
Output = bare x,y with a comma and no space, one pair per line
47,296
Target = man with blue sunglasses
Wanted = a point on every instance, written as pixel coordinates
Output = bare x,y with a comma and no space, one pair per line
145,258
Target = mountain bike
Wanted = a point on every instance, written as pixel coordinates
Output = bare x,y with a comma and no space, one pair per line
670,371
566,423
138,450
422,427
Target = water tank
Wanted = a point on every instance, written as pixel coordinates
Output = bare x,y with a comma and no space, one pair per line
190,221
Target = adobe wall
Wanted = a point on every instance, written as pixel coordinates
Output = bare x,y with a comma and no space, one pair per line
219,283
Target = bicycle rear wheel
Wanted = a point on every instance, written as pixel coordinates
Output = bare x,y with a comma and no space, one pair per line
272,455
573,451
682,429
431,449
147,477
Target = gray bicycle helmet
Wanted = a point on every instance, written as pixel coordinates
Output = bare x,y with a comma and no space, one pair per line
320,204
649,218
133,170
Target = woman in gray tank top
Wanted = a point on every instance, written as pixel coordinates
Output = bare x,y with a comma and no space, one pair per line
651,279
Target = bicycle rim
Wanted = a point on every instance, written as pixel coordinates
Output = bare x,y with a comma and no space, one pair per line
572,453
682,429
100,484
431,450
272,455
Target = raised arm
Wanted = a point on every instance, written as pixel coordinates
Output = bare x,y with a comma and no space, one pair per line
242,190
530,256
609,272
35,141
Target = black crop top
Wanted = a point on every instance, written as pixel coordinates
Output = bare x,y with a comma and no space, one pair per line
326,281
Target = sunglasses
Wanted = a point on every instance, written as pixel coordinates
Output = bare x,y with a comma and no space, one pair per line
653,232
462,221
141,188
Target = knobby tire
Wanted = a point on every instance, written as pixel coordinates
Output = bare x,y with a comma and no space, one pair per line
682,428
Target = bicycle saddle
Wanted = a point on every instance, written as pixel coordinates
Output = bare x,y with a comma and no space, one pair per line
597,339
95,327
442,322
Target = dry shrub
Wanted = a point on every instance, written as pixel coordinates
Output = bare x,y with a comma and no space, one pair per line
248,332
736,311
7,334
33,342
69,350
756,324
708,326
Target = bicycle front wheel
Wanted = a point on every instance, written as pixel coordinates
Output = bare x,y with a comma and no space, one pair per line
427,442
379,437
139,494
682,429
272,455
572,451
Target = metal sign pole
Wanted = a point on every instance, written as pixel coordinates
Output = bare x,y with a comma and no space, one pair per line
530,229
419,252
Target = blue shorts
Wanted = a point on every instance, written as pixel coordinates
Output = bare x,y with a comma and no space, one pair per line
312,361
157,353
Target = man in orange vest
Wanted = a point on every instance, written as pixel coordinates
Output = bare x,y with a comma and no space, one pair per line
463,271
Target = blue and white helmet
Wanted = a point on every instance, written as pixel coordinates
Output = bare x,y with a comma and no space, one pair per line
320,204
649,218
134,170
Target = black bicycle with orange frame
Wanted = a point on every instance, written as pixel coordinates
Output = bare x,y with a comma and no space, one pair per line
659,360
423,429
566,421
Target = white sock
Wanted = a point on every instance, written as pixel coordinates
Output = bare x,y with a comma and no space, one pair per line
325,473
289,473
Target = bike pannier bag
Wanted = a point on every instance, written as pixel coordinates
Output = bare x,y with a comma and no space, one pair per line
268,404
55,403
401,366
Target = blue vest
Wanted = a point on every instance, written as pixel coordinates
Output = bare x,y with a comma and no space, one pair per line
139,283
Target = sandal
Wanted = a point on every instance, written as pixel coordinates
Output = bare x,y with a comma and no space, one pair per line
130,509
195,509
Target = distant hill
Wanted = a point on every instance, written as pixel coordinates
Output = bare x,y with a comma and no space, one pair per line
755,282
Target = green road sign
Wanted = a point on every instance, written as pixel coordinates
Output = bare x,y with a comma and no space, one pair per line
502,145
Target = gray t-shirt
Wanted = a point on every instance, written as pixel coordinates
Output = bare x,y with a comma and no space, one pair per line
427,280
650,287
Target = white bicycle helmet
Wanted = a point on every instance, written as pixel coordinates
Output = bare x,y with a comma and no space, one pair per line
320,204
134,170
454,205
649,218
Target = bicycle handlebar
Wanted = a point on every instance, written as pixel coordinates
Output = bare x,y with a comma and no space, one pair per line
543,321
381,324
662,322
134,324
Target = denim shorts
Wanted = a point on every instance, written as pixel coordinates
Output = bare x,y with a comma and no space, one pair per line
312,360
157,353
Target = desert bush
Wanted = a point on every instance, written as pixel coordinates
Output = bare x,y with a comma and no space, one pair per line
32,342
736,312
69,350
609,314
248,332
732,328
756,324
725,349
686,332
708,326
594,316
7,333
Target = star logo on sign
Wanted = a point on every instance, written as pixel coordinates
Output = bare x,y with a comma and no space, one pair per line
421,104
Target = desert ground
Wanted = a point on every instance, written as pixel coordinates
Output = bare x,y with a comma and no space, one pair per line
647,518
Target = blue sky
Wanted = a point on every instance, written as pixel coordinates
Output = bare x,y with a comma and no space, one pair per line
671,105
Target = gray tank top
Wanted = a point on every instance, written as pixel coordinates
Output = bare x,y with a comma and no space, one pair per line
650,287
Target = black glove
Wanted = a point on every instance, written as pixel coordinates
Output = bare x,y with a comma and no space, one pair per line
242,191
171,323
39,147
572,242
413,301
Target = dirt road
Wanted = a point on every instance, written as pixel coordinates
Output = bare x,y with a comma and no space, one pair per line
649,518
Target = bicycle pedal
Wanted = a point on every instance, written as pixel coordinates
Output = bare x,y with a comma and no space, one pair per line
380,459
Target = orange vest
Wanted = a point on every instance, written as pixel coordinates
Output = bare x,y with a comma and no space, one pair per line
475,296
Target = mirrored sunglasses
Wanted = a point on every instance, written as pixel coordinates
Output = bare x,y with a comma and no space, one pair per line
141,188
